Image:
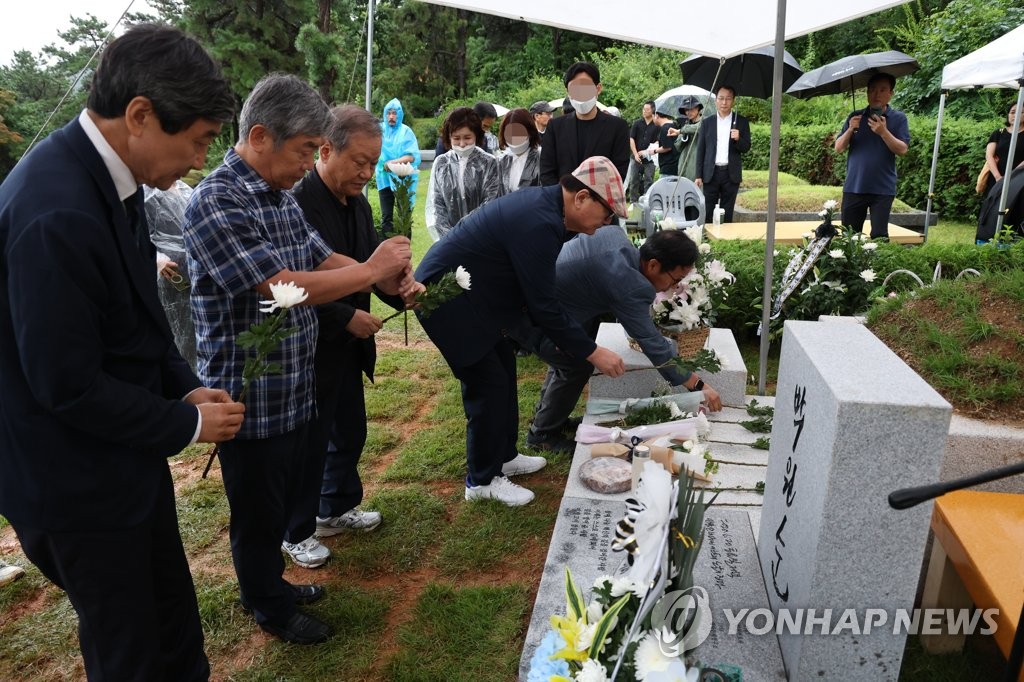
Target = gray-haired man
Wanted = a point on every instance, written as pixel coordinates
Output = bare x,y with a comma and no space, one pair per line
243,232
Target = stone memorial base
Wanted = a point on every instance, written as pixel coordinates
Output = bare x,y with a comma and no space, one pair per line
730,381
727,569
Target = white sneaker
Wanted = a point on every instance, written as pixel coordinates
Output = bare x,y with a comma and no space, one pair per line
353,519
501,489
8,573
523,464
309,553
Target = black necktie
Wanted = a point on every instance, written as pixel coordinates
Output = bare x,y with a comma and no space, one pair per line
137,224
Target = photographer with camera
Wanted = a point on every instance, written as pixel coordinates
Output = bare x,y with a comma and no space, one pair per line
875,137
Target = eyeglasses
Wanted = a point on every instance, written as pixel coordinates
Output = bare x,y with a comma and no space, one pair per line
675,280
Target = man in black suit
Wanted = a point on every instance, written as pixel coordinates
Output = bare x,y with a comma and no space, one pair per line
721,140
585,132
95,396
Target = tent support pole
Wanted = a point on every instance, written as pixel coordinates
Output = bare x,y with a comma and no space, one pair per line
1009,160
369,53
935,162
773,194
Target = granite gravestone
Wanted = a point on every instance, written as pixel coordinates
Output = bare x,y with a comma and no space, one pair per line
642,380
852,423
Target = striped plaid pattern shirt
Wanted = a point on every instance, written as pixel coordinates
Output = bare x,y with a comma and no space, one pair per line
238,233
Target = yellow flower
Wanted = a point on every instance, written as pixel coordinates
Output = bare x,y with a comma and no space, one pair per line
570,630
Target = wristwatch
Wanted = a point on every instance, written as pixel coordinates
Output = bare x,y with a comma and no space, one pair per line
698,386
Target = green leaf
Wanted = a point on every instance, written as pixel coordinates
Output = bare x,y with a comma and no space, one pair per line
603,625
573,597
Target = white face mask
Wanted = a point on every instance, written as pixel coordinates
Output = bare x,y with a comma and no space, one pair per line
518,149
463,151
584,107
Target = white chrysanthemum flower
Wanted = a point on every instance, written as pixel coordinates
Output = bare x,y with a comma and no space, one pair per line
837,253
285,296
594,611
649,658
822,213
695,233
674,411
867,275
704,249
592,671
830,204
667,224
624,584
869,246
602,579
462,277
401,169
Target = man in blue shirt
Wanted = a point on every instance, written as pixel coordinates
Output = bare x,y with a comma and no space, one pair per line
244,232
598,275
875,137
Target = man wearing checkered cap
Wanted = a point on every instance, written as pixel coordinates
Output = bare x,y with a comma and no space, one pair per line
509,247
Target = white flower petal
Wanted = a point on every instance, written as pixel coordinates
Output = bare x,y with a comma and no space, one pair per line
463,278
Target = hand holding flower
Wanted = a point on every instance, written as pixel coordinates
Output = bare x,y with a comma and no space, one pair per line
429,298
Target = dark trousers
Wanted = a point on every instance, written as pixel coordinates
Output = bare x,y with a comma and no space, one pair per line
387,210
263,480
562,388
641,180
331,485
132,590
721,190
855,210
490,399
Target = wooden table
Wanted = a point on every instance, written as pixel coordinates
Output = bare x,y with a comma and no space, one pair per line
977,556
792,232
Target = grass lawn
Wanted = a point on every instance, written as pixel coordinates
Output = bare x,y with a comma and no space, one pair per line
442,591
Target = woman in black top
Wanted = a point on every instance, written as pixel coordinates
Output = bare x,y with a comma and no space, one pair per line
998,149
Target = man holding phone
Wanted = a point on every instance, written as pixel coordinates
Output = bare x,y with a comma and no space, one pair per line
875,136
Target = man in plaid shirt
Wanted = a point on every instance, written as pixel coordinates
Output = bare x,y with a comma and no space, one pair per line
243,232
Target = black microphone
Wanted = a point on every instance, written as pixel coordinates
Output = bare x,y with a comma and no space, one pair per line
910,497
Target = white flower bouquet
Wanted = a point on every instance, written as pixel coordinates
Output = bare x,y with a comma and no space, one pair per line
265,336
692,303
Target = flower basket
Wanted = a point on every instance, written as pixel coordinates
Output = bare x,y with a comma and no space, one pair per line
689,342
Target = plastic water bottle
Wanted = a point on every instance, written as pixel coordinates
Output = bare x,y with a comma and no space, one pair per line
641,456
717,215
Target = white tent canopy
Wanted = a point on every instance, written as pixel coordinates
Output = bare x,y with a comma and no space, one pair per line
1000,64
716,37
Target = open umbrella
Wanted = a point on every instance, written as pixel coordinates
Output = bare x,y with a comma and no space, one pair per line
670,100
750,73
849,73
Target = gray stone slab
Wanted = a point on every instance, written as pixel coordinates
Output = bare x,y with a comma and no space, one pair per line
580,540
728,569
737,477
853,423
974,446
733,453
730,382
728,432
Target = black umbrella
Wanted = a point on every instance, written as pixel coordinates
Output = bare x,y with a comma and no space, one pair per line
849,73
750,73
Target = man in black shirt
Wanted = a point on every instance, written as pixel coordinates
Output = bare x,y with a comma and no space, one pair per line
331,199
668,156
641,167
586,132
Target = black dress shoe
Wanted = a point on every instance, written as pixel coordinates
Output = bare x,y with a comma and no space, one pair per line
553,444
570,425
308,594
304,594
300,629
